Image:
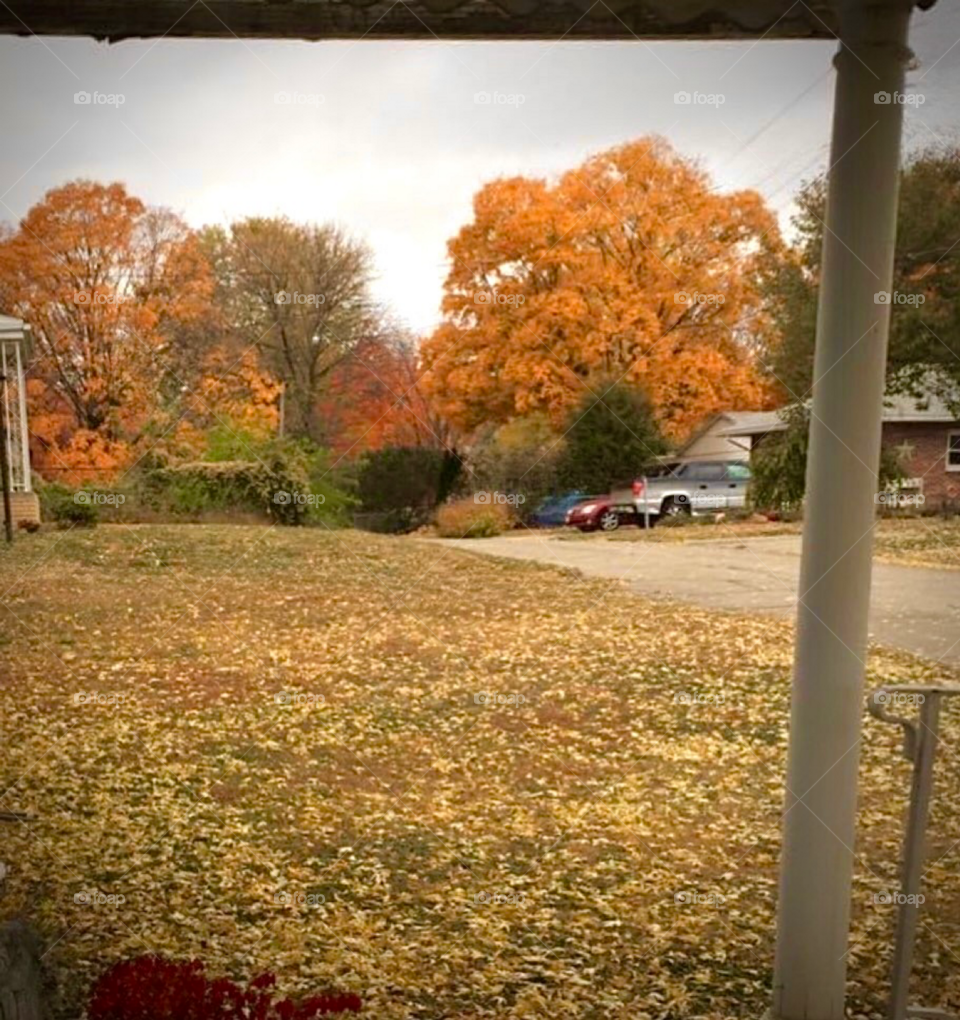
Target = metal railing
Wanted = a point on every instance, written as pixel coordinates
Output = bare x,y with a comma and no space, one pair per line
920,738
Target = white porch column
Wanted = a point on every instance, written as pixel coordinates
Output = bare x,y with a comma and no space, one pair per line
850,361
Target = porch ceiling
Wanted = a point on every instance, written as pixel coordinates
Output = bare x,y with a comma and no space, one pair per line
426,19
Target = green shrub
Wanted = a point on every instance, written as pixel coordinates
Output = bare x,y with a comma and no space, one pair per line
65,506
289,481
233,442
609,439
464,518
198,487
779,465
399,486
518,458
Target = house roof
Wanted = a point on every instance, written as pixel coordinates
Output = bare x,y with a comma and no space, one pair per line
750,423
896,408
427,19
11,328
930,407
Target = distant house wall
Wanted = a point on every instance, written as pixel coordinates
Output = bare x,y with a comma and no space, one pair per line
928,457
24,507
710,446
762,437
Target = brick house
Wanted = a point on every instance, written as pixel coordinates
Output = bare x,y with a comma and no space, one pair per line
924,434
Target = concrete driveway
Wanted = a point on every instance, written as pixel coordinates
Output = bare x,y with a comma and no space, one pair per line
913,608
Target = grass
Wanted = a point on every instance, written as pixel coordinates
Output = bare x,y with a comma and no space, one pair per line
483,774
699,529
918,541
925,542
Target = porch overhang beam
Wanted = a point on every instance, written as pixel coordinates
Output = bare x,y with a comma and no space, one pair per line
115,20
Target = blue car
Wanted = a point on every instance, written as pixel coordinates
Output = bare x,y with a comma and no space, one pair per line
552,511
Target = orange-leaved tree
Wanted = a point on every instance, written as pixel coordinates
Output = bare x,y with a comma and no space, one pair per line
630,267
231,394
103,280
375,397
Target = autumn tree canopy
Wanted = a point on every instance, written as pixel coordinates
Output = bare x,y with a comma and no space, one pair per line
628,268
103,280
375,397
924,345
298,294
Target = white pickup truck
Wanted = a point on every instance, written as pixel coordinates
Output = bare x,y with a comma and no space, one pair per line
690,487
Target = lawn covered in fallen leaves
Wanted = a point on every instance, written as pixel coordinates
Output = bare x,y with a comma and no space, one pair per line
907,541
461,787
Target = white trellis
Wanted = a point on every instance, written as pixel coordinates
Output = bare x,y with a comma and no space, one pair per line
13,401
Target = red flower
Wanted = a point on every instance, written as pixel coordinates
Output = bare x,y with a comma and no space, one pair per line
153,988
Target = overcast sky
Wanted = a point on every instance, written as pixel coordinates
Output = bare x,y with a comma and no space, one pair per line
388,139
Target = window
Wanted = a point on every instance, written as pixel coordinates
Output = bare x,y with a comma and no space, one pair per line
737,472
707,472
665,471
953,451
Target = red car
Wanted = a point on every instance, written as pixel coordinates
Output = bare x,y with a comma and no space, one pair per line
600,513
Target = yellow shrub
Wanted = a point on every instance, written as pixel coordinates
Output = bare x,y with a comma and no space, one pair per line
464,518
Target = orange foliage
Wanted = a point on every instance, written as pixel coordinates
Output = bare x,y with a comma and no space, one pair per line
232,391
465,518
240,391
60,451
102,280
628,267
375,399
88,457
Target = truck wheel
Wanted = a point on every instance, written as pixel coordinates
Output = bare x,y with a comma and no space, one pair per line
674,508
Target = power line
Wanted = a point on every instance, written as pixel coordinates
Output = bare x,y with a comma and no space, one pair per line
789,106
